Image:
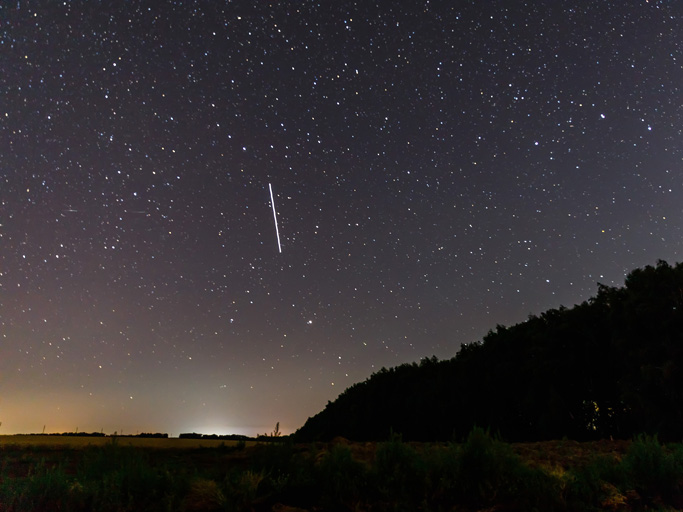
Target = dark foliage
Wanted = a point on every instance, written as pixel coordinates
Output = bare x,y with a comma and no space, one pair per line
611,366
482,473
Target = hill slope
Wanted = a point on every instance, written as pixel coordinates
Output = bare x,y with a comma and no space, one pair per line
611,366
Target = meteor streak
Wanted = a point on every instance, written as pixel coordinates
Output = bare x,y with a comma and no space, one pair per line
277,232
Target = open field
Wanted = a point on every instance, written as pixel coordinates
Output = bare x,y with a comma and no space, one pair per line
545,453
116,474
72,442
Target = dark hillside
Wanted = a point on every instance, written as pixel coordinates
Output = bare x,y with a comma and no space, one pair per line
611,366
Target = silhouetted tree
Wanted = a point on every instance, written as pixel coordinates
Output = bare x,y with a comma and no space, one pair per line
611,366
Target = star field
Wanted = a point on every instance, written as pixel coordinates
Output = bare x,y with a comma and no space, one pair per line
437,168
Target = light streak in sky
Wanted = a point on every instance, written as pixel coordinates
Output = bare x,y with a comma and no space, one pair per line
277,232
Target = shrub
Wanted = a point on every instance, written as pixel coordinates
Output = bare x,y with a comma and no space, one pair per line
489,473
274,457
441,474
45,488
399,474
115,477
649,469
204,495
586,486
341,478
486,469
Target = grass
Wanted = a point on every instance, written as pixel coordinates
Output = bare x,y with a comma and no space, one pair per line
481,473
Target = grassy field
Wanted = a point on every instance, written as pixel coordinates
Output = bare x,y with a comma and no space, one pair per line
483,473
72,442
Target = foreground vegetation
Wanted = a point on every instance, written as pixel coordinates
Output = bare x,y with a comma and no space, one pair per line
609,367
480,473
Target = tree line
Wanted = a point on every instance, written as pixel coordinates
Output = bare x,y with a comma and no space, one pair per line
611,366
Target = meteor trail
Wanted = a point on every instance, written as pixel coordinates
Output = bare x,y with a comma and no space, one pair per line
277,232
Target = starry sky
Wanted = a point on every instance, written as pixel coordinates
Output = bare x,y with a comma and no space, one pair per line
437,168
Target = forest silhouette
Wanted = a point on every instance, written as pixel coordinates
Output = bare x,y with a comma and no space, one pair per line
611,366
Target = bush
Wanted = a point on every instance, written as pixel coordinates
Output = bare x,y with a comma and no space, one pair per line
288,476
341,478
586,485
650,470
204,495
489,473
441,468
486,470
45,488
113,477
273,457
399,473
653,472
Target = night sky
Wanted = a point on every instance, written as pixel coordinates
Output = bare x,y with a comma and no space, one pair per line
437,168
